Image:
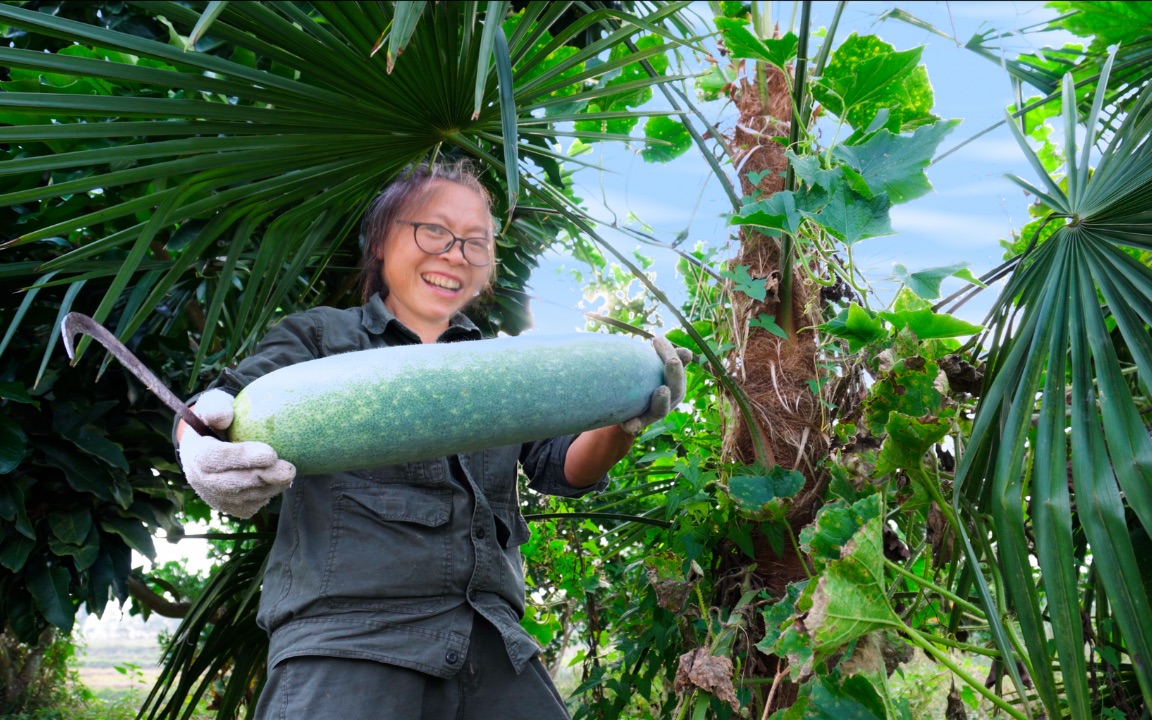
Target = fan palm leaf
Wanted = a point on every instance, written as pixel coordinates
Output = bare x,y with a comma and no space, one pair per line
1059,446
288,137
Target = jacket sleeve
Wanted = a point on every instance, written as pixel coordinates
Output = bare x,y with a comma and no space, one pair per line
543,462
294,339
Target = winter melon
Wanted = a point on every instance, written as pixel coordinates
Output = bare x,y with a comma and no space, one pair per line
389,405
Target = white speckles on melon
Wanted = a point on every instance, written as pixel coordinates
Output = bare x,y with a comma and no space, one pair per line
379,407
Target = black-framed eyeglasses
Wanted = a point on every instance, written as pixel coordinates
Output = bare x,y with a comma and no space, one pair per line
436,240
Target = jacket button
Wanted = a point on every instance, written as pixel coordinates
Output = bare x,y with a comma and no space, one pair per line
480,533
452,657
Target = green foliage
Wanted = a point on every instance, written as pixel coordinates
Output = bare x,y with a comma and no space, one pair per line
905,550
866,75
926,283
741,43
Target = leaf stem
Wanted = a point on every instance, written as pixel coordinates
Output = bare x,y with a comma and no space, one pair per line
943,658
974,610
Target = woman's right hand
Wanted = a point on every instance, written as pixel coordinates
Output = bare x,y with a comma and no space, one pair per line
234,478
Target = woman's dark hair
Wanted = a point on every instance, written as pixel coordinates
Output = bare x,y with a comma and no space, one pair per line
410,186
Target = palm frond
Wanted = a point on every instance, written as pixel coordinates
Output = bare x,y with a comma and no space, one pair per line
1085,463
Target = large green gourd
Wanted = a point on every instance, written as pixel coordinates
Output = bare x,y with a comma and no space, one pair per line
379,407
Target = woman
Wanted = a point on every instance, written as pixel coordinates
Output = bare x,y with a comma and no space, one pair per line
397,592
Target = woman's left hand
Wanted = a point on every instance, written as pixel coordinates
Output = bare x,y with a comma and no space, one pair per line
668,395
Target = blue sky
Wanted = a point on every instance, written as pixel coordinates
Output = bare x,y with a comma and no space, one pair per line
972,208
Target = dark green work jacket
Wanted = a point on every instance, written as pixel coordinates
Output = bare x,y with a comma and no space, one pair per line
392,563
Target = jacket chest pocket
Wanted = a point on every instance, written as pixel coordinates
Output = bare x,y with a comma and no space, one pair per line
390,548
496,472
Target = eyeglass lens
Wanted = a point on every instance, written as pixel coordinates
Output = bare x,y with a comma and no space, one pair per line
436,240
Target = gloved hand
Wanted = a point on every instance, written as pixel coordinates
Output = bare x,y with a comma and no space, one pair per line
668,395
235,478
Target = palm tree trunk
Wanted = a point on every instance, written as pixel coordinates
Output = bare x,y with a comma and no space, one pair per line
775,373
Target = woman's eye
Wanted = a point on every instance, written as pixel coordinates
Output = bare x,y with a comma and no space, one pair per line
436,231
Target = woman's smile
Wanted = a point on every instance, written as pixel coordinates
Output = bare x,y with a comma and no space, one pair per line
425,290
443,282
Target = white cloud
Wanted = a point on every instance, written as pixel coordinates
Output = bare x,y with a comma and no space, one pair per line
957,229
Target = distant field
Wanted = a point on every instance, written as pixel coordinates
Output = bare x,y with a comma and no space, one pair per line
119,641
136,659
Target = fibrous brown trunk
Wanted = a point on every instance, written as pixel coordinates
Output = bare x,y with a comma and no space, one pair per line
775,373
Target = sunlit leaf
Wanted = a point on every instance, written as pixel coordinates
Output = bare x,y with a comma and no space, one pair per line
907,441
910,387
856,325
850,599
866,74
928,325
669,131
852,218
926,283
835,525
741,43
895,164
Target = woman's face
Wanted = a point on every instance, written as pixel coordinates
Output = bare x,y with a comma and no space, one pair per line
425,291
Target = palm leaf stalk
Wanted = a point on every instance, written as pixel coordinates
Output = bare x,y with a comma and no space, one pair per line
1052,353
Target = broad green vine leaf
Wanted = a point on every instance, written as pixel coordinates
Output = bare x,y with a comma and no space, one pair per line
777,616
768,322
851,218
808,168
908,439
782,211
908,300
850,698
733,8
745,283
895,164
928,325
670,131
541,625
624,100
835,525
709,85
856,325
866,75
926,283
851,597
742,43
560,54
829,697
910,387
759,496
1113,23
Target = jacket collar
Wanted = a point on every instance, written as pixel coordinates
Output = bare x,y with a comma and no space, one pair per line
377,319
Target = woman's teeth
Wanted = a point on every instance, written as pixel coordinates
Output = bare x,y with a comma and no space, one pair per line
441,282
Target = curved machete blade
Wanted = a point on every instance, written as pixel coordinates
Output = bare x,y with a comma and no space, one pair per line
76,324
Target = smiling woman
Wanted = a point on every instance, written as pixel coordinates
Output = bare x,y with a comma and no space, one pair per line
397,591
427,280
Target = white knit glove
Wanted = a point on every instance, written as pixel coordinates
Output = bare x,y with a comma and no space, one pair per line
668,395
234,478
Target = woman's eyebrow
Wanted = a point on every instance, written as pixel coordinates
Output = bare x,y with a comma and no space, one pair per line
446,219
